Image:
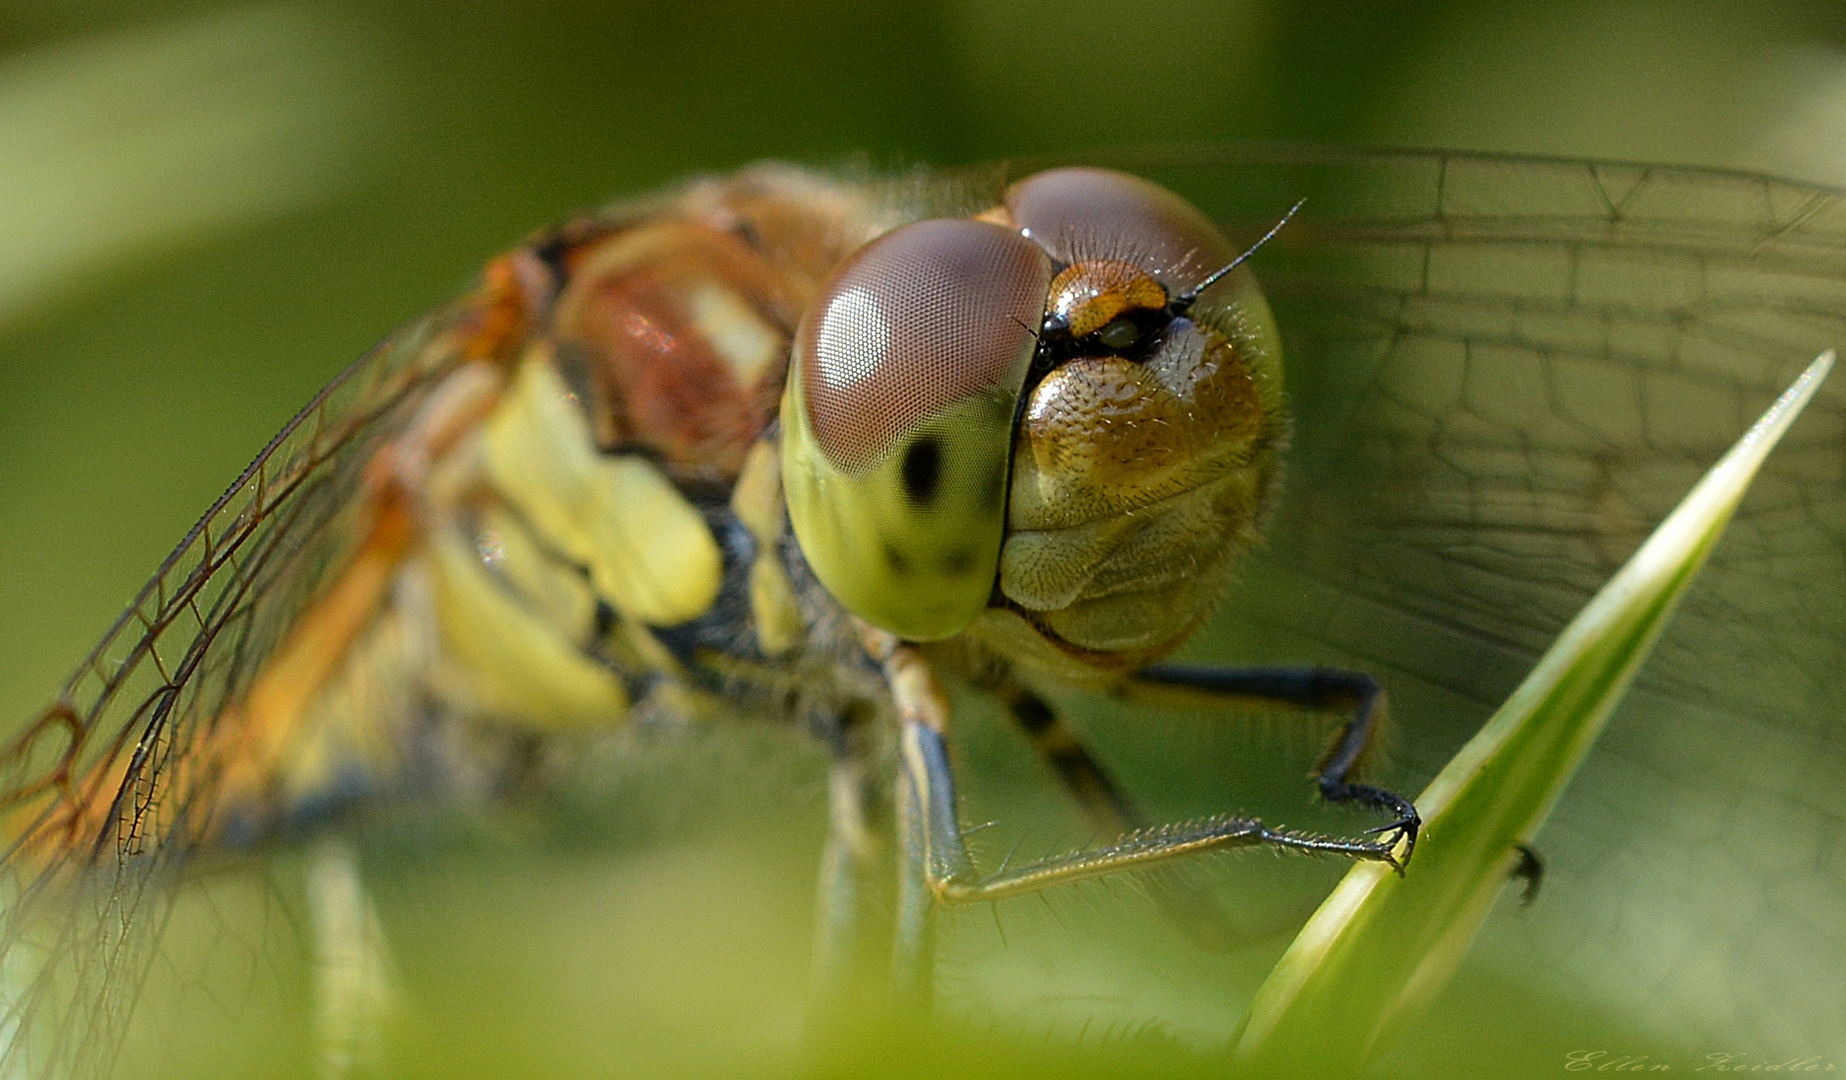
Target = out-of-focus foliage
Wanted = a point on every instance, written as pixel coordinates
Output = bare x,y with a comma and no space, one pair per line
124,143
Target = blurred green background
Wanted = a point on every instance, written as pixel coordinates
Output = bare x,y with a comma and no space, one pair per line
207,209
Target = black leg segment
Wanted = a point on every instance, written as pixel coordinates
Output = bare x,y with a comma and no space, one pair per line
1308,689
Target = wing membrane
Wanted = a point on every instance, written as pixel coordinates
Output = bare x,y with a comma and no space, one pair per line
84,903
1506,371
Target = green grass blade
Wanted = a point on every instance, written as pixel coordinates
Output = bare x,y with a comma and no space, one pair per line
1381,946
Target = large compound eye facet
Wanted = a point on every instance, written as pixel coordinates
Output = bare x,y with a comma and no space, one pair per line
1080,214
897,424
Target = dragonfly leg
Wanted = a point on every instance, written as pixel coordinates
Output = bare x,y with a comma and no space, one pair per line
355,993
1308,689
913,947
1095,790
952,879
1111,810
928,854
936,861
846,892
1531,871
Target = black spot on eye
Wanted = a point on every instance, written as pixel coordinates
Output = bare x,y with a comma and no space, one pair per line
958,562
896,561
1033,715
923,469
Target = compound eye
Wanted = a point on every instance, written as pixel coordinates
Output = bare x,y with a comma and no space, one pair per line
1084,215
897,421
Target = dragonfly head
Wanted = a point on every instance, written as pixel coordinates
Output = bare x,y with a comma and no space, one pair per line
1058,421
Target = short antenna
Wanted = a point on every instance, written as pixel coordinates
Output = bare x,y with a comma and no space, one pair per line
1186,299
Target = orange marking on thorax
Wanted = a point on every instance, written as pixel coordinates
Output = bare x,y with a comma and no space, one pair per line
508,288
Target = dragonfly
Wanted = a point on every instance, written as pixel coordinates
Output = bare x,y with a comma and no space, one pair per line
784,444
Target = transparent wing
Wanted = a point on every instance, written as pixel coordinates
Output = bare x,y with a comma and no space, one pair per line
1506,371
82,906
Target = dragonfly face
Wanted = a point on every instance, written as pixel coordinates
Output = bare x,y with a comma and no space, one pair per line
1139,429
596,487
